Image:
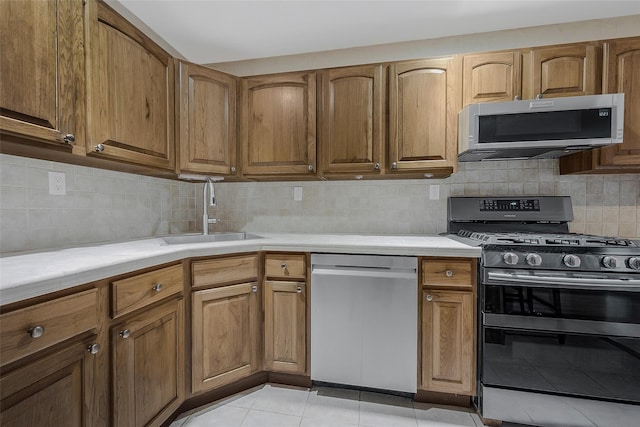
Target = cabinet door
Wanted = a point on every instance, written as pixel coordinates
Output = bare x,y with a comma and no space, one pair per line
563,71
490,77
448,342
424,100
278,128
285,326
53,390
42,70
351,119
206,120
148,366
623,76
225,335
130,92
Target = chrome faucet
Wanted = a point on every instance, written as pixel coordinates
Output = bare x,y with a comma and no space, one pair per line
209,202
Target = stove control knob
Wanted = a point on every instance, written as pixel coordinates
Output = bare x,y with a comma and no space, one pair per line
609,262
571,260
533,260
510,258
634,262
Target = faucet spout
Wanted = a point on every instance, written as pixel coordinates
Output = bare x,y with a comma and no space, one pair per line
209,201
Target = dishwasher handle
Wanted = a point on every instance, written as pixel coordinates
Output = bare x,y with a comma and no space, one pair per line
359,271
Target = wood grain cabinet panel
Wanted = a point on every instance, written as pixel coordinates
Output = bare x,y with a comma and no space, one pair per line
222,271
285,326
424,100
225,337
278,127
448,356
42,87
55,389
562,71
490,77
621,75
130,92
450,273
285,266
58,320
206,120
351,120
148,366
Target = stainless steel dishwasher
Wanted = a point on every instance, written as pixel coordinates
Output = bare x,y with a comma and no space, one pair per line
364,321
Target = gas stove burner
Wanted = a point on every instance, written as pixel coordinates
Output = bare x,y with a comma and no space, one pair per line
546,239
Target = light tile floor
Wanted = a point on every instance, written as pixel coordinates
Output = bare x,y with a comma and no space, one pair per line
283,406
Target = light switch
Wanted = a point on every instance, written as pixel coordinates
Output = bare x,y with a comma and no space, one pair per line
434,192
297,194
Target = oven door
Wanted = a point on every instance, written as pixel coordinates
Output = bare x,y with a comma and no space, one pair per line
571,336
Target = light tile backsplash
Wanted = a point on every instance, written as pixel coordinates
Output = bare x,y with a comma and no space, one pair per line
99,206
602,204
105,206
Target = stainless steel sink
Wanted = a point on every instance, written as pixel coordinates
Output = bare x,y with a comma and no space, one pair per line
208,238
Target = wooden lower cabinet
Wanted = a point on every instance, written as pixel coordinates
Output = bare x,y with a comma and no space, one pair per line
448,342
54,390
148,365
225,335
285,326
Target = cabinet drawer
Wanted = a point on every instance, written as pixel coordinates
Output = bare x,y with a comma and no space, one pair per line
225,270
289,266
138,291
448,273
59,319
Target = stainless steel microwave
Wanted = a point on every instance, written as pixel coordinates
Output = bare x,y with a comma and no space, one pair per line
540,128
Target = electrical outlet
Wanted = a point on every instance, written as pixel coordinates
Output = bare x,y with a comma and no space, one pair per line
434,192
57,183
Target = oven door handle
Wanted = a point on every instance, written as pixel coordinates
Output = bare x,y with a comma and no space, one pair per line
596,283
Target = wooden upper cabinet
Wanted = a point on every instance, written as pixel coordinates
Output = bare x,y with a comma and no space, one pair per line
557,71
278,127
351,120
621,75
42,89
424,100
130,85
490,77
206,121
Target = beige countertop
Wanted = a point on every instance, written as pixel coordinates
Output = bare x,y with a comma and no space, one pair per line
28,275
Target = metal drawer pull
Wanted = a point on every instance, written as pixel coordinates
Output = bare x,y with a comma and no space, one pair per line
125,334
449,273
36,331
299,289
69,138
283,265
157,287
254,288
93,348
429,297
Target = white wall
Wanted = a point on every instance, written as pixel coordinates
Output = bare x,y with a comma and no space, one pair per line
599,29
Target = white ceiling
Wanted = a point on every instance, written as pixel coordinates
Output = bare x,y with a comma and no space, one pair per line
211,31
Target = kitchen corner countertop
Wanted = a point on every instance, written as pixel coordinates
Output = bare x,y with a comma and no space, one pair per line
28,275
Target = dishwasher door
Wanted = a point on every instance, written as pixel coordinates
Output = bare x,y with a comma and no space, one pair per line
364,321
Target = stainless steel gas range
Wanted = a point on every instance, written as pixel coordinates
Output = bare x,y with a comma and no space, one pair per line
558,314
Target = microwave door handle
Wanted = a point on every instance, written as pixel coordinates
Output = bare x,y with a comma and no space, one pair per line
632,285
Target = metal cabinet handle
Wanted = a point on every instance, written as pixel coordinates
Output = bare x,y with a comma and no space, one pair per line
429,297
539,96
394,165
69,138
125,334
36,331
99,148
448,273
93,348
157,287
376,166
284,265
310,167
299,289
233,169
254,288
